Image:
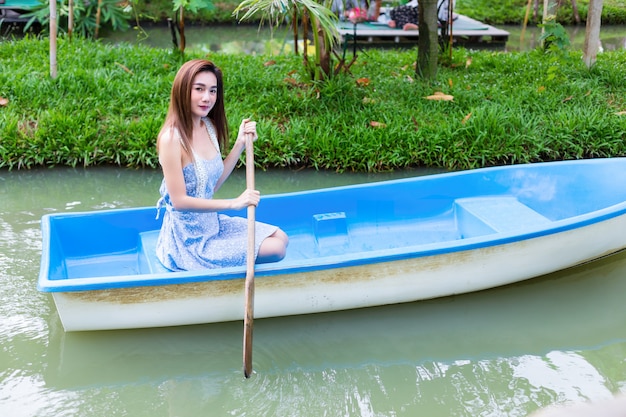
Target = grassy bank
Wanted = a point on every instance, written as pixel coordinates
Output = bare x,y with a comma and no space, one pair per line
494,12
108,103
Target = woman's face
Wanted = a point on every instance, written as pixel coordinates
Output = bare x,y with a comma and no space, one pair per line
203,93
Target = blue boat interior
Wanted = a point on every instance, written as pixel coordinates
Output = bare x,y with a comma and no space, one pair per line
357,221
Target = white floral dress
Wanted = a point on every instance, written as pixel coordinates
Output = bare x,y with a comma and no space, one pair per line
191,240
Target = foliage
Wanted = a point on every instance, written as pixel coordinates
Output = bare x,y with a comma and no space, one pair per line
113,15
192,6
494,12
108,103
554,37
324,33
499,12
614,12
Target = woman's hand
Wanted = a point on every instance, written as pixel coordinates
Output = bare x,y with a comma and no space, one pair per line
247,198
247,126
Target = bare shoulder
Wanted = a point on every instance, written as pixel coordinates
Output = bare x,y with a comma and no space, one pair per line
167,138
170,148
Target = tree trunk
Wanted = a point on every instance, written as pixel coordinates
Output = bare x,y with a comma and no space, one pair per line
536,10
295,31
592,32
70,18
98,14
324,52
427,44
575,11
181,30
305,38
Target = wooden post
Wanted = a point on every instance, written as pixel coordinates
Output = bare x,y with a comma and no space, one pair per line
592,33
98,14
53,38
70,18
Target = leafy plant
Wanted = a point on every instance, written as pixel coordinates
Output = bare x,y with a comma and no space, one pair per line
114,15
554,37
192,6
322,19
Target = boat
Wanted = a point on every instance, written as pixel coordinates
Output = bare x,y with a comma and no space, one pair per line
356,246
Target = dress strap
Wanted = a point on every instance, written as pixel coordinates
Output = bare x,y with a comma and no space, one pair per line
212,134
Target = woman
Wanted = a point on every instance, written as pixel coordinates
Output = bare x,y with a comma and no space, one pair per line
193,235
404,17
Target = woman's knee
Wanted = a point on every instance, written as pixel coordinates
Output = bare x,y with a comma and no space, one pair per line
273,248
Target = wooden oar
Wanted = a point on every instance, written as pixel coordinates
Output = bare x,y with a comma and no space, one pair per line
248,320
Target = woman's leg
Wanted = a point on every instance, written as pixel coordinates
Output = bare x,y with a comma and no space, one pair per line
273,248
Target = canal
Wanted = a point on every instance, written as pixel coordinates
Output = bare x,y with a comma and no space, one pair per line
503,352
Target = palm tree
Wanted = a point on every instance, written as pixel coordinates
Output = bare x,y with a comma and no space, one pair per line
322,19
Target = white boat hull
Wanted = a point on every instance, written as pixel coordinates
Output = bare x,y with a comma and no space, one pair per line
358,286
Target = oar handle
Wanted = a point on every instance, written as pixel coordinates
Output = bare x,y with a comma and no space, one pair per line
248,321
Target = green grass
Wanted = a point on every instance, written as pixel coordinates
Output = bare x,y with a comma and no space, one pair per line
108,103
498,12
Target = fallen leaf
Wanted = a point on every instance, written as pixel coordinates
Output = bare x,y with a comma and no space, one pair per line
4,101
377,124
269,63
292,72
363,82
438,95
368,100
125,68
404,68
468,62
291,80
409,78
466,118
417,126
541,89
450,82
566,99
619,113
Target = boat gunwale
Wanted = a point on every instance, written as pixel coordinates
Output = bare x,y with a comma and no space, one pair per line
45,284
323,263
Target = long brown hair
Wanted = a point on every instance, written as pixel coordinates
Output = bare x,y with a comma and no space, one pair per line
179,111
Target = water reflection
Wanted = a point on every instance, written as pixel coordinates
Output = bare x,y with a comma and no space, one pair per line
506,351
262,40
612,37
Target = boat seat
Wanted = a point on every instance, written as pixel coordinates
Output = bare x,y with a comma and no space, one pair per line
149,263
330,229
478,216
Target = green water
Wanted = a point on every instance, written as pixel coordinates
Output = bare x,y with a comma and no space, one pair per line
250,39
504,352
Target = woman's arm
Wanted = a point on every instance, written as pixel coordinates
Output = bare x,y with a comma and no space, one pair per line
172,157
